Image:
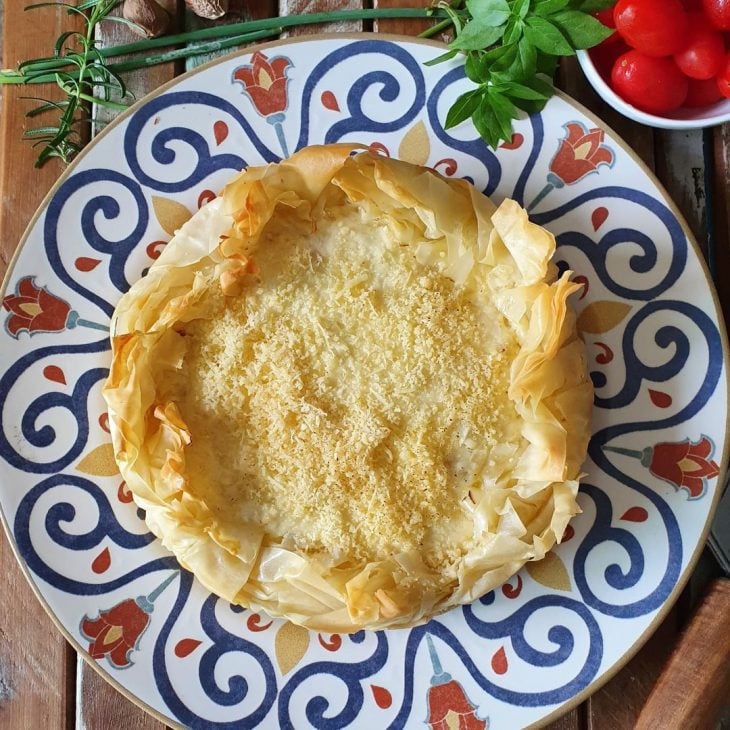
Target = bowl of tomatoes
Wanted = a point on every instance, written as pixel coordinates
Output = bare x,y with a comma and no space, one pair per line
667,63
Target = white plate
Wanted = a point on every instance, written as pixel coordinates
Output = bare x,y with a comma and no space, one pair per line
521,653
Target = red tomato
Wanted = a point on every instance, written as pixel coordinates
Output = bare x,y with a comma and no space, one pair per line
704,52
718,13
606,17
723,78
654,85
702,92
692,5
654,27
604,56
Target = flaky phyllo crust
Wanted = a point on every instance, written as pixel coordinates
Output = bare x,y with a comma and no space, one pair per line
524,500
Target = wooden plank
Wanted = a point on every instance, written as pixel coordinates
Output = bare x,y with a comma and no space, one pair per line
26,35
681,168
399,25
297,7
695,683
37,667
573,720
720,174
100,706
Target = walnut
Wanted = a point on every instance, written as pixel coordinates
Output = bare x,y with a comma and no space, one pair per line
149,18
210,9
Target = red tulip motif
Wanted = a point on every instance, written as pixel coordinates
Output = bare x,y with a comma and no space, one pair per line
580,153
684,464
448,705
265,82
116,633
34,309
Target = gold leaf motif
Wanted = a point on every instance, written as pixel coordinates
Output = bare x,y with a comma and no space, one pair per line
415,147
170,214
99,462
550,572
602,316
291,645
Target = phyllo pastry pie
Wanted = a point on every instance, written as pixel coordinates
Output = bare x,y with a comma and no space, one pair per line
350,392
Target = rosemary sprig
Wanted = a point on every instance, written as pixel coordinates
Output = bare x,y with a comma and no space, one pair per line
264,28
78,70
86,74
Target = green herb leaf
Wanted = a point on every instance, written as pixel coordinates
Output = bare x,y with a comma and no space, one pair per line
547,7
583,31
504,112
520,8
440,59
463,108
485,121
472,67
546,64
489,12
476,36
546,37
514,30
540,84
520,91
506,60
527,56
595,6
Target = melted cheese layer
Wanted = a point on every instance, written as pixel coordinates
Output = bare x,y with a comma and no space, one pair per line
349,400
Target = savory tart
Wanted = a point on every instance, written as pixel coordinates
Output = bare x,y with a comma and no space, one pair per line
350,392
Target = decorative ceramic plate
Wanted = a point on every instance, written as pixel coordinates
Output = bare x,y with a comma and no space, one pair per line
520,654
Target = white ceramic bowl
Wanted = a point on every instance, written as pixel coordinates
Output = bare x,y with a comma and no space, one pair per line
682,118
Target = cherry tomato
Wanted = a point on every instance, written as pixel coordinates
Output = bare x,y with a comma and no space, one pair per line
606,17
702,92
604,56
718,13
723,78
704,52
654,85
654,27
692,5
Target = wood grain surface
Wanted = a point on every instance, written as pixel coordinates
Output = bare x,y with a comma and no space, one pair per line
695,682
42,685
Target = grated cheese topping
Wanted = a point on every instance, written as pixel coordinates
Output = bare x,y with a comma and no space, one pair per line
350,392
347,401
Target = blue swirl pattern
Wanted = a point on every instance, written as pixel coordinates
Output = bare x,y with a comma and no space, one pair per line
75,404
107,526
223,642
390,90
598,252
106,205
350,674
162,151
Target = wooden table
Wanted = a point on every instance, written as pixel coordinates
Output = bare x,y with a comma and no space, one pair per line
43,683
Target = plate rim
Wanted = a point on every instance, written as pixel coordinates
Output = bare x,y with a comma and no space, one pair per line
683,579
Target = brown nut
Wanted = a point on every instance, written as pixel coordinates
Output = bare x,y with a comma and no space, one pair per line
209,9
149,18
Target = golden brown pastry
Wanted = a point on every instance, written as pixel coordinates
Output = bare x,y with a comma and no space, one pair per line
350,392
